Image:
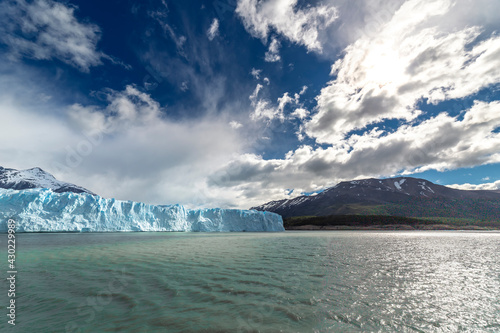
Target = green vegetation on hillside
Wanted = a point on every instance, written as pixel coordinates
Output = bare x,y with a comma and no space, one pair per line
387,222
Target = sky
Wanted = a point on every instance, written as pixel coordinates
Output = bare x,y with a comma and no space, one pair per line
233,103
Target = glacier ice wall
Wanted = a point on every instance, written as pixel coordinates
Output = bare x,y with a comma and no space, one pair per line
36,210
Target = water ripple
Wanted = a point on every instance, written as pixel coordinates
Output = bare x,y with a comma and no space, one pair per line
288,282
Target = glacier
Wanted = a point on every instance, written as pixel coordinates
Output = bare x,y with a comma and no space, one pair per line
43,210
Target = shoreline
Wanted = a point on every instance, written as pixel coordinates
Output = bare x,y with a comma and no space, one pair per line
389,227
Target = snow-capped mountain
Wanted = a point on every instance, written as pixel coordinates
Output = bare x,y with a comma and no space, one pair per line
35,178
404,196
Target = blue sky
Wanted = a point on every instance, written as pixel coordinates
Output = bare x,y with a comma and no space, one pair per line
235,103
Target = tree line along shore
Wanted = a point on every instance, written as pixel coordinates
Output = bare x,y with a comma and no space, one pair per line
384,222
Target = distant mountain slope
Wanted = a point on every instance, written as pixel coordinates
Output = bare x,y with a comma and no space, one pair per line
402,196
35,178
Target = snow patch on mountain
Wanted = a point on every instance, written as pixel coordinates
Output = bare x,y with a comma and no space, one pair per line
425,187
399,183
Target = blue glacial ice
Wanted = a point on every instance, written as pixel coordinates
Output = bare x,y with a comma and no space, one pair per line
37,210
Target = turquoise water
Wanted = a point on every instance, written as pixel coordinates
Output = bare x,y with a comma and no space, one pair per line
256,282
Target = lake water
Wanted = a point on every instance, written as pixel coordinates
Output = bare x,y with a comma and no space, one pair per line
336,281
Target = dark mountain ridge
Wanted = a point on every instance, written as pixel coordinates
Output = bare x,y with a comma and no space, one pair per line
401,196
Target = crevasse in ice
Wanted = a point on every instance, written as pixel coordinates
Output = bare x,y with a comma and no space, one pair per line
44,210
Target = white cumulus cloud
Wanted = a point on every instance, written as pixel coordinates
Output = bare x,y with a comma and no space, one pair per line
213,31
299,25
127,149
256,73
272,54
383,77
475,187
45,30
235,124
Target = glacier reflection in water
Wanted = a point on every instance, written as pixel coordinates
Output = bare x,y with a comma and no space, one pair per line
252,282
